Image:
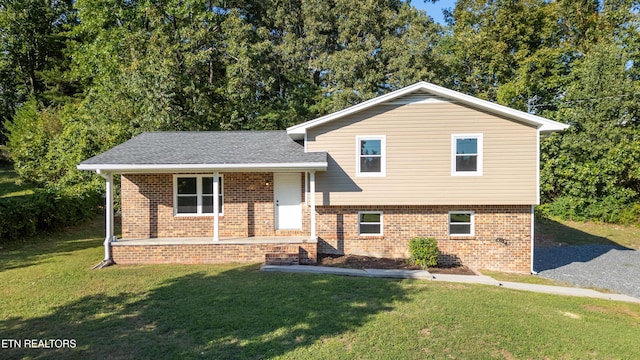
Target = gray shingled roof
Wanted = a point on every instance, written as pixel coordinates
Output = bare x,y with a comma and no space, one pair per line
207,148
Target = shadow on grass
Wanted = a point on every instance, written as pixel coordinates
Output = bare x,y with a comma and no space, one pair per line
8,186
552,233
558,245
34,250
31,255
241,313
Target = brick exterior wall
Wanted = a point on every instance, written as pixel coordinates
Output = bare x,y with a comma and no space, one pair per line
213,253
147,208
502,239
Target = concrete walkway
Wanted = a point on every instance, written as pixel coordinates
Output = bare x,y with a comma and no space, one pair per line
469,279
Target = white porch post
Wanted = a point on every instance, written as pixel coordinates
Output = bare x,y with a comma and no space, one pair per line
312,201
216,204
108,216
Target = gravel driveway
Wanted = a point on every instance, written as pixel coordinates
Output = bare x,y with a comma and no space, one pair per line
600,266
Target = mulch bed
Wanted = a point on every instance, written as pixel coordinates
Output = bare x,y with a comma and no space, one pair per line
369,262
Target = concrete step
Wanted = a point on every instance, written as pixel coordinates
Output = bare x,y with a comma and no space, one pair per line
282,259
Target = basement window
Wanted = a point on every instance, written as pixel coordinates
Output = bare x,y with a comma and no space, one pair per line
461,223
370,223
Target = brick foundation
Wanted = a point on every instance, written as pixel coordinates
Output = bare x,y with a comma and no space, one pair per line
502,240
304,253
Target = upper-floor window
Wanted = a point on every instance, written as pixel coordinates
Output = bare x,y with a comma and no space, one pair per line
371,157
466,155
193,194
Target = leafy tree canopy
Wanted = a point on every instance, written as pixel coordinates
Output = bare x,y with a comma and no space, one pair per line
78,77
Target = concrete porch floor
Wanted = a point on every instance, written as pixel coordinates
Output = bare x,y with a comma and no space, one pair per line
208,240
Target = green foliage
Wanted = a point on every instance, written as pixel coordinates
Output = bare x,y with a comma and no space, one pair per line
83,76
609,210
424,251
8,186
197,65
78,77
46,144
46,210
31,132
591,171
32,54
576,62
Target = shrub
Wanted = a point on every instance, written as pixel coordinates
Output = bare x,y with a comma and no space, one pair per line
424,251
46,209
608,210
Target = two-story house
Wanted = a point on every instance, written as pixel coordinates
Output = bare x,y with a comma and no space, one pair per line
420,161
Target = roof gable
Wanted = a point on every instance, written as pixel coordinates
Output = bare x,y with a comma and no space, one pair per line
542,124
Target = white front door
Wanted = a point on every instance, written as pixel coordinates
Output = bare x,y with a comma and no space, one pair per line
287,200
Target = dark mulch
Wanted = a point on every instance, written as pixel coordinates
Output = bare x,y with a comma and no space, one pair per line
369,262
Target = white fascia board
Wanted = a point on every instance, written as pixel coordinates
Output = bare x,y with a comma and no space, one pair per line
156,168
543,125
552,126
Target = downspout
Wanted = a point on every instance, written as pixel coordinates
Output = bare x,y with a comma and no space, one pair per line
108,258
312,198
533,272
216,206
533,244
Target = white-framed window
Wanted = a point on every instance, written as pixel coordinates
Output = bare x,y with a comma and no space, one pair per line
193,195
371,155
461,223
466,155
370,223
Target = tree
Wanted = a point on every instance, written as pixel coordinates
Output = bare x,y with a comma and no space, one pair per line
32,53
498,49
216,65
592,171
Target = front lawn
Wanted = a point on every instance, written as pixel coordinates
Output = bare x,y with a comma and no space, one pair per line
235,311
8,186
586,233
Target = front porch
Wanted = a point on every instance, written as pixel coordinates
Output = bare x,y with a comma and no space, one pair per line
244,226
265,249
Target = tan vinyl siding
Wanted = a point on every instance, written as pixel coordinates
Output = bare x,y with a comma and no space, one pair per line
418,157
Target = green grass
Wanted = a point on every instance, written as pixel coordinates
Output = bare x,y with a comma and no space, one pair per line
532,279
583,233
8,186
235,311
522,278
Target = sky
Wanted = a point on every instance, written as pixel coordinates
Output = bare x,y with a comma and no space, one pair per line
434,10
